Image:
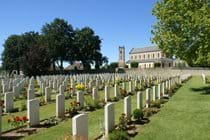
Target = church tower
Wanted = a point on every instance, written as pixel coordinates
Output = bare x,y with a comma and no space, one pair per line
121,62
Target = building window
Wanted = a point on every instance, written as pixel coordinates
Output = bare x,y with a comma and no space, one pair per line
144,56
148,56
131,57
139,56
135,57
153,55
162,54
158,55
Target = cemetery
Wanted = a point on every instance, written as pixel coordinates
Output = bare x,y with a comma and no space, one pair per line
105,70
87,106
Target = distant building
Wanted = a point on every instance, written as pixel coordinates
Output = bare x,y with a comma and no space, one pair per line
149,57
77,65
121,61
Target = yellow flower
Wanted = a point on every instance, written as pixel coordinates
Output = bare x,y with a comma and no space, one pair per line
80,87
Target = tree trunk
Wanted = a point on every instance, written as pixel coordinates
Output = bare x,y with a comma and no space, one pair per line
54,67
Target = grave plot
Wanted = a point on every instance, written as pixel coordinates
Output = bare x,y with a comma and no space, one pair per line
56,99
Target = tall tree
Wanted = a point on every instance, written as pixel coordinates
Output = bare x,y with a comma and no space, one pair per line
34,56
87,47
59,37
10,55
183,29
25,52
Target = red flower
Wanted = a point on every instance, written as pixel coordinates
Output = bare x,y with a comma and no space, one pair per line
17,119
24,118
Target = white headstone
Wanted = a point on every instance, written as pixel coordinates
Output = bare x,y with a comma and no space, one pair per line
30,94
159,91
15,91
109,119
33,112
154,93
61,89
47,94
130,87
60,106
80,126
107,96
147,97
139,100
116,90
80,98
8,101
127,106
95,94
163,88
123,86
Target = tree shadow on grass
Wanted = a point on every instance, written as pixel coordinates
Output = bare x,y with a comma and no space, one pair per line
10,137
204,90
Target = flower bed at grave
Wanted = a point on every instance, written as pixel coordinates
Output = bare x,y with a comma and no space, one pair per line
126,91
80,87
126,127
17,121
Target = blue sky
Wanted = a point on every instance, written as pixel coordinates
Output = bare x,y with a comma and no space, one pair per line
118,22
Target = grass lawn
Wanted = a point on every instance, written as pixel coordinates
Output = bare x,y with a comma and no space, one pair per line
185,117
94,119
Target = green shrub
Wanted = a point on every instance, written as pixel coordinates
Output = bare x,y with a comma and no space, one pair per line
155,103
22,106
91,104
118,135
157,64
149,112
138,114
134,64
113,65
123,121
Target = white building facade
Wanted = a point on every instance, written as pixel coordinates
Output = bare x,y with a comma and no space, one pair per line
149,57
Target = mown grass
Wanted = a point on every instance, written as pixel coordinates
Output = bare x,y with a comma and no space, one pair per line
185,117
94,122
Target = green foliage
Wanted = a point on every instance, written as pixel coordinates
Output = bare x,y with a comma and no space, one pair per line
155,103
157,64
22,106
91,104
10,55
149,112
138,114
87,48
182,29
118,135
113,65
34,53
24,52
123,121
134,64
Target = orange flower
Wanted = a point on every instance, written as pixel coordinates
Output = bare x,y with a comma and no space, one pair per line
24,118
17,119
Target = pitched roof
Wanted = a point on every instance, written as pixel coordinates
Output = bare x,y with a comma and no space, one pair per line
144,49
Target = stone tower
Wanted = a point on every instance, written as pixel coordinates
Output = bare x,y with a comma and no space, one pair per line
121,62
